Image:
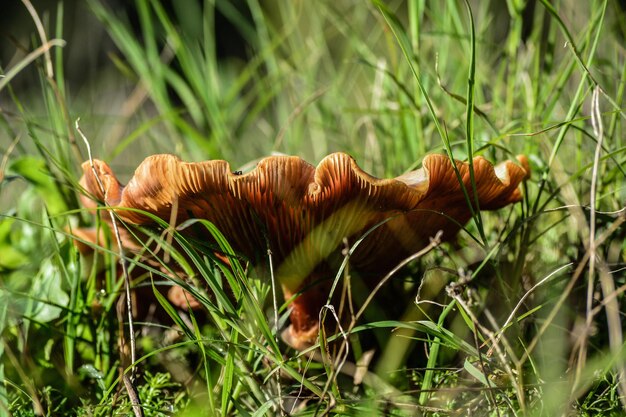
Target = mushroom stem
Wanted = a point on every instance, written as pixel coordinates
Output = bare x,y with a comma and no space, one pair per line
305,308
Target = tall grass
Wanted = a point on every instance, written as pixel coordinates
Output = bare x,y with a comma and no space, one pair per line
521,315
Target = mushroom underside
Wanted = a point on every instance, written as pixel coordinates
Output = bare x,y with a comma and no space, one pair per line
306,216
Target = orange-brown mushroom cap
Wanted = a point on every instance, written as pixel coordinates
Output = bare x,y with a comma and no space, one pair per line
304,213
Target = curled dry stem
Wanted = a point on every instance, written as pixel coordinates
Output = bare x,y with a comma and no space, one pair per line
343,350
606,282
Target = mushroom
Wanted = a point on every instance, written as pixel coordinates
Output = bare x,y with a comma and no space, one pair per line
302,214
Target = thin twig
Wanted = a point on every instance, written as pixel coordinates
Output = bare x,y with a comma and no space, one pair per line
598,130
341,359
591,229
275,306
171,228
133,395
127,381
42,35
606,283
8,76
5,157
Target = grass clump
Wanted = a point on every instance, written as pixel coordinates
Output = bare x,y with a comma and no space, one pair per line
521,315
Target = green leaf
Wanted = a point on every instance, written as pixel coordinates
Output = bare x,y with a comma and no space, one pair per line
11,258
34,171
47,294
476,373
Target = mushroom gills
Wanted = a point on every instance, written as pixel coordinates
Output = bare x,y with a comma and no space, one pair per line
305,214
